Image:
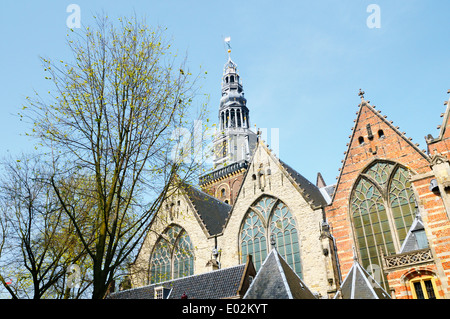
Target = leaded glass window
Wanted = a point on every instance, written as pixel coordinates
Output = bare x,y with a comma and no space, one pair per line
253,239
160,265
283,227
382,208
269,216
173,256
183,257
402,202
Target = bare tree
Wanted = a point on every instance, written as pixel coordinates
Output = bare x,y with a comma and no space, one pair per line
109,124
40,244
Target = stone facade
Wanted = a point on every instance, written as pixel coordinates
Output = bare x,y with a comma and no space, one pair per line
184,215
277,183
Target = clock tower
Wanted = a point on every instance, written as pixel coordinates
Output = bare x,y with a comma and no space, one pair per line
234,142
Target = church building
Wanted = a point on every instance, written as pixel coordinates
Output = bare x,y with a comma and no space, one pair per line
382,231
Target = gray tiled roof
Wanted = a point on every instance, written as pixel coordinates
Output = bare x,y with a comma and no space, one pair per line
309,190
360,285
211,211
276,280
218,284
327,193
410,243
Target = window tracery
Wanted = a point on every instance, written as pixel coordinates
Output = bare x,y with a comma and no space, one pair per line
266,218
173,256
382,208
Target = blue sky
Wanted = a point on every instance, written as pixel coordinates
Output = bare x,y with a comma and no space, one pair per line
301,62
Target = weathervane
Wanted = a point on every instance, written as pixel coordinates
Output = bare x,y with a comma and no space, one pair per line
227,41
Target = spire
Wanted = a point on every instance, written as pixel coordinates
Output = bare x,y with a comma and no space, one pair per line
272,242
235,141
359,284
355,255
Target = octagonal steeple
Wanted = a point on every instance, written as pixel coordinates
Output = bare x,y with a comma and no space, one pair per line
235,140
233,111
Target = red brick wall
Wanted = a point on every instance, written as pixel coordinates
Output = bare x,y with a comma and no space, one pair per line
394,146
231,184
399,280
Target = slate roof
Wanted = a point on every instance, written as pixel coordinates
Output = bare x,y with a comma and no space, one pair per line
308,189
276,280
211,211
217,284
359,284
327,192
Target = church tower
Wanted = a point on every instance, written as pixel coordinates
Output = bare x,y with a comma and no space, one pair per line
234,141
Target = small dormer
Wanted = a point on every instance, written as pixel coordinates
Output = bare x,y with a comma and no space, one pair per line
161,292
416,238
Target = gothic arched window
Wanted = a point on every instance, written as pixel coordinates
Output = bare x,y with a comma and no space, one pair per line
173,256
270,216
382,208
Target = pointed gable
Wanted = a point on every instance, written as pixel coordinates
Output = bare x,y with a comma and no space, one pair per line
373,138
276,280
359,284
416,238
320,182
308,190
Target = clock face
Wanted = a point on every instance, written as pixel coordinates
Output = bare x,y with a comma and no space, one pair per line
221,149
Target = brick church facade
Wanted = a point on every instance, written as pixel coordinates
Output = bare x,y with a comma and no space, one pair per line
386,218
376,153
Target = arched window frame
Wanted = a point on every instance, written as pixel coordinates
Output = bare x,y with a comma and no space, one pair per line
266,218
173,245
384,189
